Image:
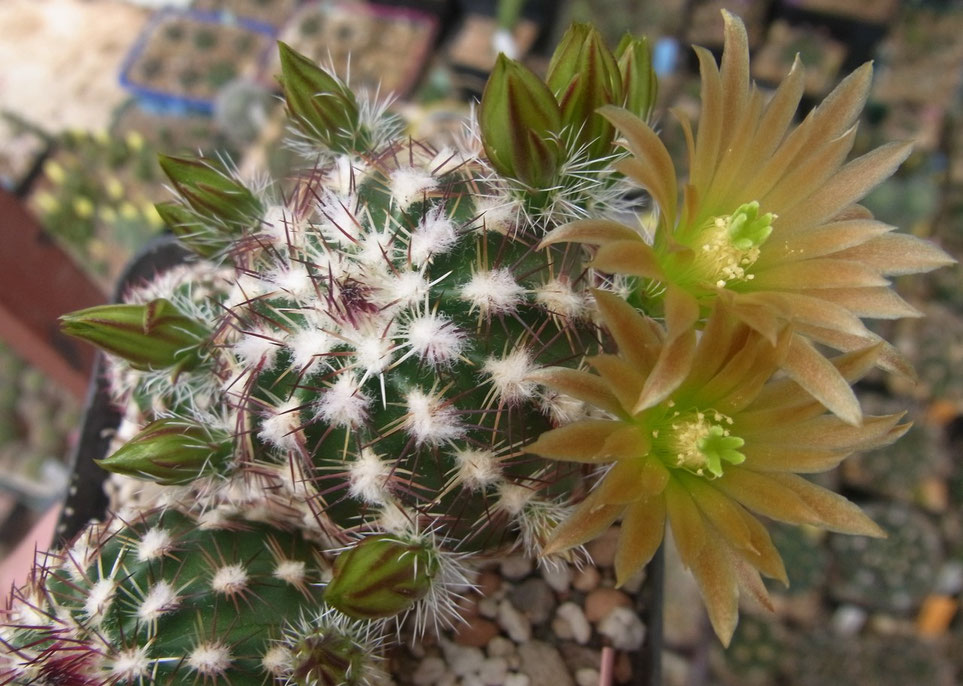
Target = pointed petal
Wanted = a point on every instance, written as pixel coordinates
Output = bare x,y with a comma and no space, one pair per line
890,359
895,254
822,380
816,311
750,581
721,511
835,512
589,520
620,485
818,241
872,303
628,443
824,432
777,458
821,272
581,441
762,494
778,114
638,338
643,529
590,231
766,313
652,166
848,185
582,386
808,175
633,258
714,571
709,133
687,523
675,358
764,556
624,380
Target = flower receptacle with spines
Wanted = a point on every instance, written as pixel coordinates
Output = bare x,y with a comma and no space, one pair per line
398,363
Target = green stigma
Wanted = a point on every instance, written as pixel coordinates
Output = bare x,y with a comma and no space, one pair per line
729,245
701,442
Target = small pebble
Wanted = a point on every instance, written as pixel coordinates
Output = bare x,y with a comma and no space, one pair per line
515,679
847,620
587,579
429,671
571,620
600,602
515,624
500,646
587,677
535,599
472,680
493,671
624,628
488,582
488,607
462,660
516,567
558,576
544,665
476,631
603,548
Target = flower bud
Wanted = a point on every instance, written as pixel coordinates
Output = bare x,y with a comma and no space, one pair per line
639,83
152,336
171,451
584,76
381,577
211,191
193,234
520,121
322,107
329,658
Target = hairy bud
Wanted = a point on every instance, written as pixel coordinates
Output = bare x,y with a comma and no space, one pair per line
213,193
152,336
382,576
639,83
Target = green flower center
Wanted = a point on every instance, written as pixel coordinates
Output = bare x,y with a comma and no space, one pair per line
699,441
729,245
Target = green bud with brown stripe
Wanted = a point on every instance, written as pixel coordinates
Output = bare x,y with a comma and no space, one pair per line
172,451
155,335
382,576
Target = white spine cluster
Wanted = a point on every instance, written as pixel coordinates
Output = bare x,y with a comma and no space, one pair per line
510,376
493,293
431,420
343,404
368,478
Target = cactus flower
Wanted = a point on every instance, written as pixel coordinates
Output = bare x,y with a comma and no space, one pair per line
768,222
726,444
155,335
381,576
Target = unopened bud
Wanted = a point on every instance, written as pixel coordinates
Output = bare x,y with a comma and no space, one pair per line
212,192
192,233
329,658
172,451
640,87
584,76
381,576
319,104
151,336
520,122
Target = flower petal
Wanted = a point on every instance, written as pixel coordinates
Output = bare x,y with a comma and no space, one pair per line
628,443
687,523
714,571
835,512
763,494
589,520
620,485
624,380
818,241
643,530
580,441
894,254
590,231
633,258
638,338
822,380
675,358
582,386
847,186
821,272
652,166
873,303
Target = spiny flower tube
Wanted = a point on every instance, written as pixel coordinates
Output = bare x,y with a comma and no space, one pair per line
768,222
727,444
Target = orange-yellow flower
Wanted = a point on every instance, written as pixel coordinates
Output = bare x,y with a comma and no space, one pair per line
768,222
725,444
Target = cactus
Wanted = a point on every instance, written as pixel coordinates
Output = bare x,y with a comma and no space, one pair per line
380,362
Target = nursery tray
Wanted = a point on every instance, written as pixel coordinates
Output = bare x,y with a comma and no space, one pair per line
183,58
377,46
